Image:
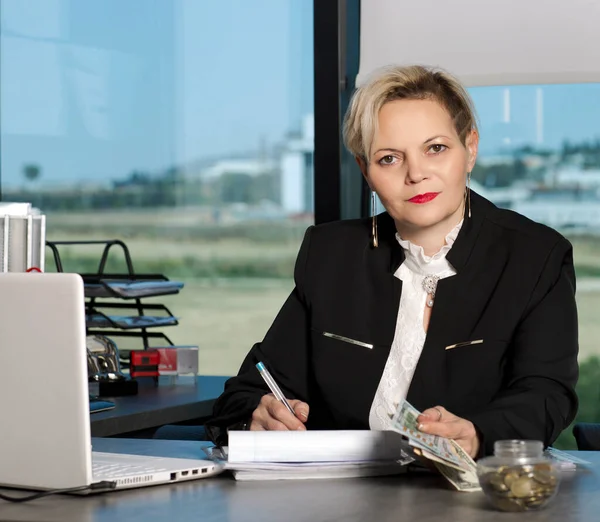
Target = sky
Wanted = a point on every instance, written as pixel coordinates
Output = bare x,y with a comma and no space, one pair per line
96,90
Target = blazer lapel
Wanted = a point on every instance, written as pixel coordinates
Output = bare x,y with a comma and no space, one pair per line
459,303
381,306
385,290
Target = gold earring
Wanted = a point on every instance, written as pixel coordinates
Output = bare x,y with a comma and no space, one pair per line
468,194
374,221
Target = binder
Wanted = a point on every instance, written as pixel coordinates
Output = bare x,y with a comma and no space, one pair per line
22,240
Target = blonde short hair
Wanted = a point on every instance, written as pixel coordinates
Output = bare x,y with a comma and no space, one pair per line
413,82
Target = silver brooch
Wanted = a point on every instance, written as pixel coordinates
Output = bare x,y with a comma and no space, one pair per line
430,285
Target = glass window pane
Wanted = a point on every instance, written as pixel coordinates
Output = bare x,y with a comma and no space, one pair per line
183,128
540,156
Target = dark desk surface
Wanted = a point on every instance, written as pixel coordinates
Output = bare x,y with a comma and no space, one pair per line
155,406
418,497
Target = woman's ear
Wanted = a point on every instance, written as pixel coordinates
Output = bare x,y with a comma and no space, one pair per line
472,148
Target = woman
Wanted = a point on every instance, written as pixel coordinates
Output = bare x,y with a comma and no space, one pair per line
464,309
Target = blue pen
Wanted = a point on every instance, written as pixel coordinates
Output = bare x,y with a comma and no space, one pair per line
273,386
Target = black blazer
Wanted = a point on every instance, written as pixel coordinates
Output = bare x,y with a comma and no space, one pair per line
514,289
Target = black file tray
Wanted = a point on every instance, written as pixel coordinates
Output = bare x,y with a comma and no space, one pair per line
126,292
128,289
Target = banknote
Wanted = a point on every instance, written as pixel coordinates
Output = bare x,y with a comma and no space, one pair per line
428,455
405,422
442,455
464,456
465,480
448,456
462,480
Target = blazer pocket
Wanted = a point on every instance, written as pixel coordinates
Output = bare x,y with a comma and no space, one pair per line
464,343
347,340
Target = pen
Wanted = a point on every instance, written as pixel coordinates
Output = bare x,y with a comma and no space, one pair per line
273,386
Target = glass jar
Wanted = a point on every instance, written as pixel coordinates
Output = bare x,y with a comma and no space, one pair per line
518,477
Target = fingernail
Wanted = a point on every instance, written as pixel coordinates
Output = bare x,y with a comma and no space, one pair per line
303,414
422,427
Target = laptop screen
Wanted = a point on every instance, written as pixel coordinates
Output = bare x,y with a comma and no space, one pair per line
43,380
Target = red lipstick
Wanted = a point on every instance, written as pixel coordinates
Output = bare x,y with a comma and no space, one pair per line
424,198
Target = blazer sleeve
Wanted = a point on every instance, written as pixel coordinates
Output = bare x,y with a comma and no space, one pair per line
538,399
283,351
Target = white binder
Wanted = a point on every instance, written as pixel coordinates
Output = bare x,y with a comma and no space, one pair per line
22,238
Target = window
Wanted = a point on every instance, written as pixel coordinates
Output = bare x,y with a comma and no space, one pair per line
540,156
183,128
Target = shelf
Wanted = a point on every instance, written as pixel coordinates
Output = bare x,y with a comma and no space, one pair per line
126,291
127,322
130,289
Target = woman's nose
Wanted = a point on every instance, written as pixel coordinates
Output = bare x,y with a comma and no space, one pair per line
415,171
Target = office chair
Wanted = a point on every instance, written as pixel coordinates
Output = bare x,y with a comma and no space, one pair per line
179,432
587,436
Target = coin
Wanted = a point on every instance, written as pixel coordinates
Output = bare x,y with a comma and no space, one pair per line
508,504
521,487
510,476
543,476
497,482
536,504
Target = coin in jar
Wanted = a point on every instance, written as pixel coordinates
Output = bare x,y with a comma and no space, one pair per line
522,487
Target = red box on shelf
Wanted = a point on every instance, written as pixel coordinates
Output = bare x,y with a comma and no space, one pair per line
144,363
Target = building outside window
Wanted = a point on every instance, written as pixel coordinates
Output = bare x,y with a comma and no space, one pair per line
183,128
540,156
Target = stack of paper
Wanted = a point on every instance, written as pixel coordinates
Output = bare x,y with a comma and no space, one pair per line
564,461
273,455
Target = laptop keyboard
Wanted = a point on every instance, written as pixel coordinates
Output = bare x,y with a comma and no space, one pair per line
113,466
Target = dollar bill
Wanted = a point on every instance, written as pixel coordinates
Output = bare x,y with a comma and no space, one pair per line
442,455
461,479
466,481
405,422
464,456
427,454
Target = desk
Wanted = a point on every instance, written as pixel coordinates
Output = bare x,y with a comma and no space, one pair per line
155,406
418,497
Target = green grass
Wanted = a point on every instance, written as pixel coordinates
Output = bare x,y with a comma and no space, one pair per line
224,318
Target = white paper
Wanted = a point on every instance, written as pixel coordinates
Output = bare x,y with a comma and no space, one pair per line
315,446
321,470
563,460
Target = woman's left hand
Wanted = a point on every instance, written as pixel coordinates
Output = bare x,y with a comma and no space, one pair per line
439,421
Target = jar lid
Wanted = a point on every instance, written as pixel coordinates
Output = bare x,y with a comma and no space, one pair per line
518,448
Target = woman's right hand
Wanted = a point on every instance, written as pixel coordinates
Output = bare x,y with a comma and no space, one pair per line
272,415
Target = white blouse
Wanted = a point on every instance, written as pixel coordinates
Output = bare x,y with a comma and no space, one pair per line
410,333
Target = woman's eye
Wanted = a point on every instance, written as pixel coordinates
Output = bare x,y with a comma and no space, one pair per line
387,160
437,148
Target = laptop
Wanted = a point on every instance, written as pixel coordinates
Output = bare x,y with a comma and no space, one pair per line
45,440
